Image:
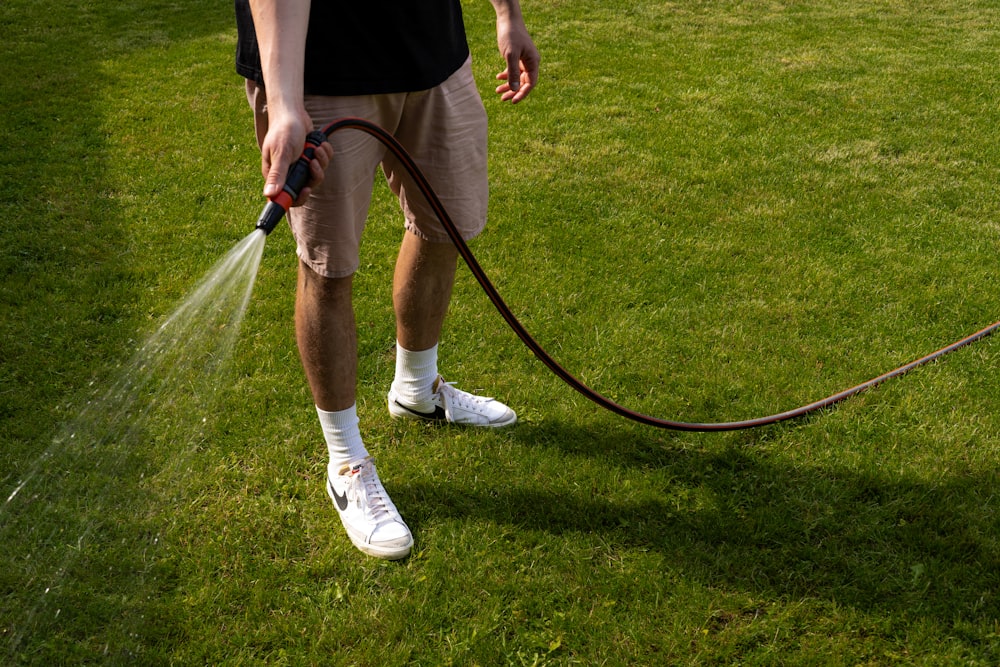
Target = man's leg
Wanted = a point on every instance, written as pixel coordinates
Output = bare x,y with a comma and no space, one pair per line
327,339
422,284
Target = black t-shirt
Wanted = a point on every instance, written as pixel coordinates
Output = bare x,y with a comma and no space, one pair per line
369,47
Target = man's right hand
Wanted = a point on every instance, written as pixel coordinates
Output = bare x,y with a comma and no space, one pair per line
283,144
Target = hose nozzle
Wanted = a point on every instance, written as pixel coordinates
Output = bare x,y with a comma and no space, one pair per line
270,217
298,176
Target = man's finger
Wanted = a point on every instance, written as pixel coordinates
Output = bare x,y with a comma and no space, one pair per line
514,72
273,183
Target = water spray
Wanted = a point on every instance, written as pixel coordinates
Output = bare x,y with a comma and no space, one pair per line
298,176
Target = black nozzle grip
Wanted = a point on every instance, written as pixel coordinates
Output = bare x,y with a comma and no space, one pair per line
298,173
298,176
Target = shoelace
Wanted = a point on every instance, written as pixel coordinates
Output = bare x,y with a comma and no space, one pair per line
459,398
366,487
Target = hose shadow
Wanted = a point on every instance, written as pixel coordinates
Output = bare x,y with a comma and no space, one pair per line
734,517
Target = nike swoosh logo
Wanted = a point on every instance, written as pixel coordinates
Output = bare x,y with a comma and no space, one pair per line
438,413
339,498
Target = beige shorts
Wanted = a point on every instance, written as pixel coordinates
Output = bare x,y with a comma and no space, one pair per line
443,129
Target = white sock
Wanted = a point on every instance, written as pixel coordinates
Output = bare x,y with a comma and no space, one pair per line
415,376
343,437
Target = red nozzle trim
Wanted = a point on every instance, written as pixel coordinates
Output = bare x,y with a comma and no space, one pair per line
283,199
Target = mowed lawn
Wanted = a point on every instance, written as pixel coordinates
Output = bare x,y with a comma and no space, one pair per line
708,211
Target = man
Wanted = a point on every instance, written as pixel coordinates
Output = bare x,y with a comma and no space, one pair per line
404,66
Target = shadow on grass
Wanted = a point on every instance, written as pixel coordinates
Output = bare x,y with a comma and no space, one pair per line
734,517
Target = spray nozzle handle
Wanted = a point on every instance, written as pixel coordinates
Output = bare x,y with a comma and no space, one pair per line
298,176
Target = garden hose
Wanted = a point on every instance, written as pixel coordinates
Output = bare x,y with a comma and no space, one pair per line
298,176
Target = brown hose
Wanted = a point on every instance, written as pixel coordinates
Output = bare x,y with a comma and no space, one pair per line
394,146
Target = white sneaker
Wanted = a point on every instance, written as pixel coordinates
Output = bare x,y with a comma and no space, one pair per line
371,520
449,404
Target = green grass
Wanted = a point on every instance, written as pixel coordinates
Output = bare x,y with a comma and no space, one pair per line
708,211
